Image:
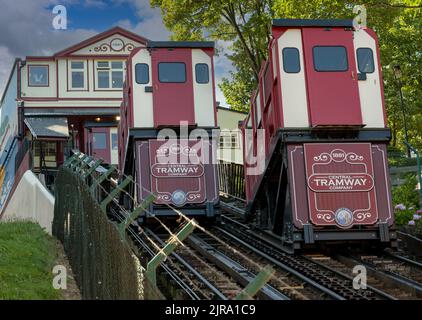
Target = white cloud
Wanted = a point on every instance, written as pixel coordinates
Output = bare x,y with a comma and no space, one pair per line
6,63
95,4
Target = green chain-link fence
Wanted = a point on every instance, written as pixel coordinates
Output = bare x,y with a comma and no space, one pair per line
104,265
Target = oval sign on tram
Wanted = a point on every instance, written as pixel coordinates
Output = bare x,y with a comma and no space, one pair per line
340,182
163,170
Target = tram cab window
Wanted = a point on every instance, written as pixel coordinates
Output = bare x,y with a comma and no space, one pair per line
330,59
202,73
141,73
172,72
365,60
291,60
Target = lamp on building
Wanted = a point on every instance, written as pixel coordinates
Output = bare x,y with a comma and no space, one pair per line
397,76
117,118
98,119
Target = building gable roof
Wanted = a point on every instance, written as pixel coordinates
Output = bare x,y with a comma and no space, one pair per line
102,36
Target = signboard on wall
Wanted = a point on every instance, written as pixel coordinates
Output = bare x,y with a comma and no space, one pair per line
340,184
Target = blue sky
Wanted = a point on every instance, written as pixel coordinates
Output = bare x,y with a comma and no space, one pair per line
26,28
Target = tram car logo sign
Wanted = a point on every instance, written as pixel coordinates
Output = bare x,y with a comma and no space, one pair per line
340,184
344,217
177,174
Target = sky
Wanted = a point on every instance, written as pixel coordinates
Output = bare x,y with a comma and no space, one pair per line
26,28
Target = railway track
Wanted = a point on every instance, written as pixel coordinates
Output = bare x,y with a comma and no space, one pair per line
404,275
218,265
198,269
324,278
389,277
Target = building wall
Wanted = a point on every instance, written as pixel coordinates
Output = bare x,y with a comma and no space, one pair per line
228,121
8,141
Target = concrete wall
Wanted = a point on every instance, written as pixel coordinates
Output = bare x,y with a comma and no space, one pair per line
31,201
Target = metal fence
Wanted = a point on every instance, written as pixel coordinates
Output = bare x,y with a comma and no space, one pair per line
231,179
104,265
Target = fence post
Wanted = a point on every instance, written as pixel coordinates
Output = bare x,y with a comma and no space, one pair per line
418,160
69,160
92,169
134,214
119,188
152,266
78,163
256,284
104,176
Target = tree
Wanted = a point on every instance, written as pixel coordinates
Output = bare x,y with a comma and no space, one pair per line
243,23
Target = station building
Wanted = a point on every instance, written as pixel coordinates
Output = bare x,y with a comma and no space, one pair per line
70,99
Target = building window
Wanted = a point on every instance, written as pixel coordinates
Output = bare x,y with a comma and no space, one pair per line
202,73
365,60
110,74
172,72
38,76
141,73
114,143
49,150
330,59
229,140
291,60
99,141
77,74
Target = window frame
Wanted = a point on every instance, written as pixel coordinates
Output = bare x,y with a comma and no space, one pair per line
148,71
172,82
298,56
373,59
330,46
29,75
196,73
109,69
70,75
114,135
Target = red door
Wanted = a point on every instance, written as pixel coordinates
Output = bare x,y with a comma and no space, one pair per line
172,87
333,92
99,143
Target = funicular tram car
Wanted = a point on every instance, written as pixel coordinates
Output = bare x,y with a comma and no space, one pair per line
315,140
169,84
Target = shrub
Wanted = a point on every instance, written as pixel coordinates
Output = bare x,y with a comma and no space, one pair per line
403,215
407,194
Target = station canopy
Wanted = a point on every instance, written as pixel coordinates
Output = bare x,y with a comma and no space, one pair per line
52,128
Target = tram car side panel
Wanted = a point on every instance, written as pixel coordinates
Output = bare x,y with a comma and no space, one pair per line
320,98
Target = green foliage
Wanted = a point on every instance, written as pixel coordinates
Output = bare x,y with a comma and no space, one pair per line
244,24
402,217
407,194
27,256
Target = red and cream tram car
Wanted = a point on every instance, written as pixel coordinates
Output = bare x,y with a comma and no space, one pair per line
168,118
315,139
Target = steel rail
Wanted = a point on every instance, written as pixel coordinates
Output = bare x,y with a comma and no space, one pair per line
210,286
283,266
235,269
392,276
185,287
